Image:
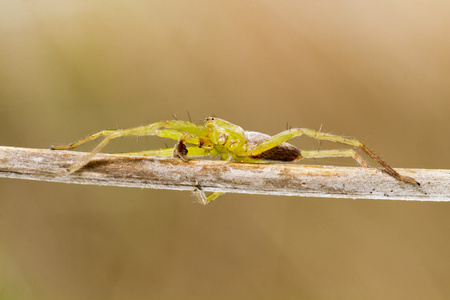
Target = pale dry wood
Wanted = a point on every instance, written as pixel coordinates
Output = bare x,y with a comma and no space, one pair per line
229,177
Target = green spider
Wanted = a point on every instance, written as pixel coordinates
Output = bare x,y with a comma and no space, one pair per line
219,137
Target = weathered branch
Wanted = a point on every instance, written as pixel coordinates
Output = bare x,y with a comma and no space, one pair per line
213,176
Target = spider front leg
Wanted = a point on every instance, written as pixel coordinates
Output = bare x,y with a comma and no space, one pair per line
289,134
83,141
168,129
109,136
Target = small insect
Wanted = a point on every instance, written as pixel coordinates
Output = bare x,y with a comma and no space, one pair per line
217,137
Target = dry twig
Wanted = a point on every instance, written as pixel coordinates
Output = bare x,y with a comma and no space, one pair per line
229,177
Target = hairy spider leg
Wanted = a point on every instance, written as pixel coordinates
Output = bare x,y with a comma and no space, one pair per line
173,129
82,141
169,129
294,132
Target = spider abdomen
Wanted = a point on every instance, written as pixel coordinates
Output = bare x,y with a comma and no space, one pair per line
281,152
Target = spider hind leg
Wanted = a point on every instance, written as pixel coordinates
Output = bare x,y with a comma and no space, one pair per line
295,132
334,153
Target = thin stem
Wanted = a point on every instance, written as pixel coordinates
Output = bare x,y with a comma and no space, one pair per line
223,176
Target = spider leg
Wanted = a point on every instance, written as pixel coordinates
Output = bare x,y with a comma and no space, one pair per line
334,153
167,152
115,134
168,129
294,132
82,141
206,199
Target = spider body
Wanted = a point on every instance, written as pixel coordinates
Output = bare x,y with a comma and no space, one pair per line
217,137
281,152
232,142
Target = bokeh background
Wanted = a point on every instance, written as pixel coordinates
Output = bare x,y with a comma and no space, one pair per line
378,71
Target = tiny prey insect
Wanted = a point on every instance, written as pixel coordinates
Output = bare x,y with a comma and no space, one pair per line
217,137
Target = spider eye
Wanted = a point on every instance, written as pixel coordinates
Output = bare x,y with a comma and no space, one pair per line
209,118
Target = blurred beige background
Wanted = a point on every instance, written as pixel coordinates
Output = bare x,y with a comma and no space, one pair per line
379,71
